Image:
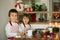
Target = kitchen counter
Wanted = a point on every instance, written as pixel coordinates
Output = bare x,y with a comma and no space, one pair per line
34,38
36,26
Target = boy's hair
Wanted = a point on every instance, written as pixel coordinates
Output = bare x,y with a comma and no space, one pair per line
12,10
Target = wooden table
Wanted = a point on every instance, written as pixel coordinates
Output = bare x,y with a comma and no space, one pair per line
27,38
22,39
30,39
33,39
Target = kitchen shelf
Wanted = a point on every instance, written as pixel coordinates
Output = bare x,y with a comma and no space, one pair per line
43,12
39,22
44,23
40,12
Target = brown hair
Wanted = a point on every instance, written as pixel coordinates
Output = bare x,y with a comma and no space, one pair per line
26,15
12,10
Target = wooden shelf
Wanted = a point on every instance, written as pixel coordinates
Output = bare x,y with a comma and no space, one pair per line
39,22
38,12
45,23
44,12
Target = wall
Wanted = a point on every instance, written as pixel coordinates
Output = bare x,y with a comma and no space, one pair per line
56,0
5,5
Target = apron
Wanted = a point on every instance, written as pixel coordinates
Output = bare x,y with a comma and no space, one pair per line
11,38
12,30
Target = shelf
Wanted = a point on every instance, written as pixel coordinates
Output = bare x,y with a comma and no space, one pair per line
45,23
39,22
44,12
37,12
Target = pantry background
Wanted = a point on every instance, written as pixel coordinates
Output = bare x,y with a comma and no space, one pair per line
5,5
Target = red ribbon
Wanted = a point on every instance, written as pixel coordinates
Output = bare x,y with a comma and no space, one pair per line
18,4
10,23
24,24
11,38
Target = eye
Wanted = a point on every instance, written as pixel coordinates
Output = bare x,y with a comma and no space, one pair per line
15,15
12,15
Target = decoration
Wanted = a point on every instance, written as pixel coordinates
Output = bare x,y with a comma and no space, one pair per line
19,6
29,9
33,5
34,18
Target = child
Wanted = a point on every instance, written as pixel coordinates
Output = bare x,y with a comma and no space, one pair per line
25,25
12,27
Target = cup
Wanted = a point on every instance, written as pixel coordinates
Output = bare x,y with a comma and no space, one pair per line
29,33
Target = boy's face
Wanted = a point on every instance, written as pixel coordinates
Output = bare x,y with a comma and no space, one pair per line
13,16
25,20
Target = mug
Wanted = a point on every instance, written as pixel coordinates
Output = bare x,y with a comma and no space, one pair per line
29,33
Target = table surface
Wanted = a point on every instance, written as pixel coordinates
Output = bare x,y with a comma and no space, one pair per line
34,38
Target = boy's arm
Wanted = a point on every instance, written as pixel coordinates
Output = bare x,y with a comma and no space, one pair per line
8,31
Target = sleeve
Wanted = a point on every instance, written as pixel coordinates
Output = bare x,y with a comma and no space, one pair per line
30,27
21,27
8,31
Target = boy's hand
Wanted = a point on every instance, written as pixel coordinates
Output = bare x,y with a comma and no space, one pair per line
23,32
18,33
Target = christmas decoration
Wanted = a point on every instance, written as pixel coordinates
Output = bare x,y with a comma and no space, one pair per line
19,6
34,18
29,9
33,5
